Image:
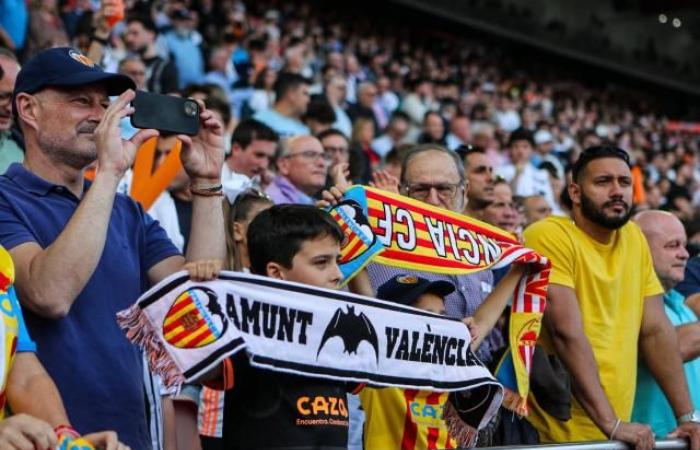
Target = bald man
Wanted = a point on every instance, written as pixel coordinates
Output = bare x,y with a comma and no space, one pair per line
301,171
667,241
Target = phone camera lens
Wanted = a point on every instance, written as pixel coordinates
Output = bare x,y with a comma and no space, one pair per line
191,108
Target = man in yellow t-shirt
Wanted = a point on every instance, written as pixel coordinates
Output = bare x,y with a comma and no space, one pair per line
604,304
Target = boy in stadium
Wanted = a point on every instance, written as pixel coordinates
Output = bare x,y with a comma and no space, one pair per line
274,410
408,419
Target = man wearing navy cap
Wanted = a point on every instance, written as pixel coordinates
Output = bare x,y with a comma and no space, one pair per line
83,252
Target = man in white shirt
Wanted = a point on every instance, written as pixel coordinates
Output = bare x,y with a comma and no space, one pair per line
523,176
253,148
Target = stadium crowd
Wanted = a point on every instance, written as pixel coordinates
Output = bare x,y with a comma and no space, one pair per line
299,101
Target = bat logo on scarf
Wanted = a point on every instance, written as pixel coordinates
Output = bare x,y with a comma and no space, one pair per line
353,329
195,319
359,236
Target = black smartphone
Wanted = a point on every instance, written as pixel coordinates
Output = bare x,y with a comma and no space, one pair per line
165,113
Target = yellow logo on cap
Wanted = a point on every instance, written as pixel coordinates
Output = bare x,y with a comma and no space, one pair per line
407,279
82,59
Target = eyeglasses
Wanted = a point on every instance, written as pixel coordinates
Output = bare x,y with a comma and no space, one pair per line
445,191
310,155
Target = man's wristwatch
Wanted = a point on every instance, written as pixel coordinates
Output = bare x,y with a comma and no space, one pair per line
693,416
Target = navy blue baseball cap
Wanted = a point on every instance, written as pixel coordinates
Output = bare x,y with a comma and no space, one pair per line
66,67
406,289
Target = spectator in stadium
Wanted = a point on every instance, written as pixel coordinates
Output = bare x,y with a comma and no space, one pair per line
45,29
667,240
420,100
112,250
185,44
523,176
365,107
140,38
335,89
535,207
363,158
501,212
337,149
433,129
263,96
394,160
134,68
302,168
38,417
319,115
394,134
221,69
301,244
460,133
291,100
479,175
10,147
593,289
253,148
544,148
435,175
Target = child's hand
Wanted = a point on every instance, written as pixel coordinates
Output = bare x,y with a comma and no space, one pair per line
332,196
473,329
204,270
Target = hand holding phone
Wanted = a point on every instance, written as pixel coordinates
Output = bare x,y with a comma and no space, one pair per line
165,113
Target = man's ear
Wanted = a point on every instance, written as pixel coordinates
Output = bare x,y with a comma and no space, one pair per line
283,166
275,270
27,109
575,193
238,232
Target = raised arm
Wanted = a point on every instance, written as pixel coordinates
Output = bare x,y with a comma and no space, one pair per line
49,279
202,156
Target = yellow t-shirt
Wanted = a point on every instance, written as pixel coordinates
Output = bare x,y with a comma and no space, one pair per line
611,281
404,419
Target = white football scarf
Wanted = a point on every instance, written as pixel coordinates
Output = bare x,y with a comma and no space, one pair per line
187,328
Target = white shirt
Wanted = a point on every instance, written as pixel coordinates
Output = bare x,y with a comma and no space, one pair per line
532,181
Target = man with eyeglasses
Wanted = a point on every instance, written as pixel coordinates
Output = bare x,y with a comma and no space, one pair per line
435,175
10,149
301,171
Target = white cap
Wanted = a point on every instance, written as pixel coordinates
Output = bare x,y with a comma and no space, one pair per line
542,137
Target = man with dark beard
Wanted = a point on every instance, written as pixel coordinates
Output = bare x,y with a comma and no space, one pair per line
140,38
604,304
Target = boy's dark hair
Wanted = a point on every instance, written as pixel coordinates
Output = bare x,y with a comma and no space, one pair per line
250,130
320,110
521,134
597,152
286,82
277,234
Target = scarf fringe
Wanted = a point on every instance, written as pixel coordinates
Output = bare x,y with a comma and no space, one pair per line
140,331
460,431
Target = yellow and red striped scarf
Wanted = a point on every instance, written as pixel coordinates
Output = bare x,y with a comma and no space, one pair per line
402,232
